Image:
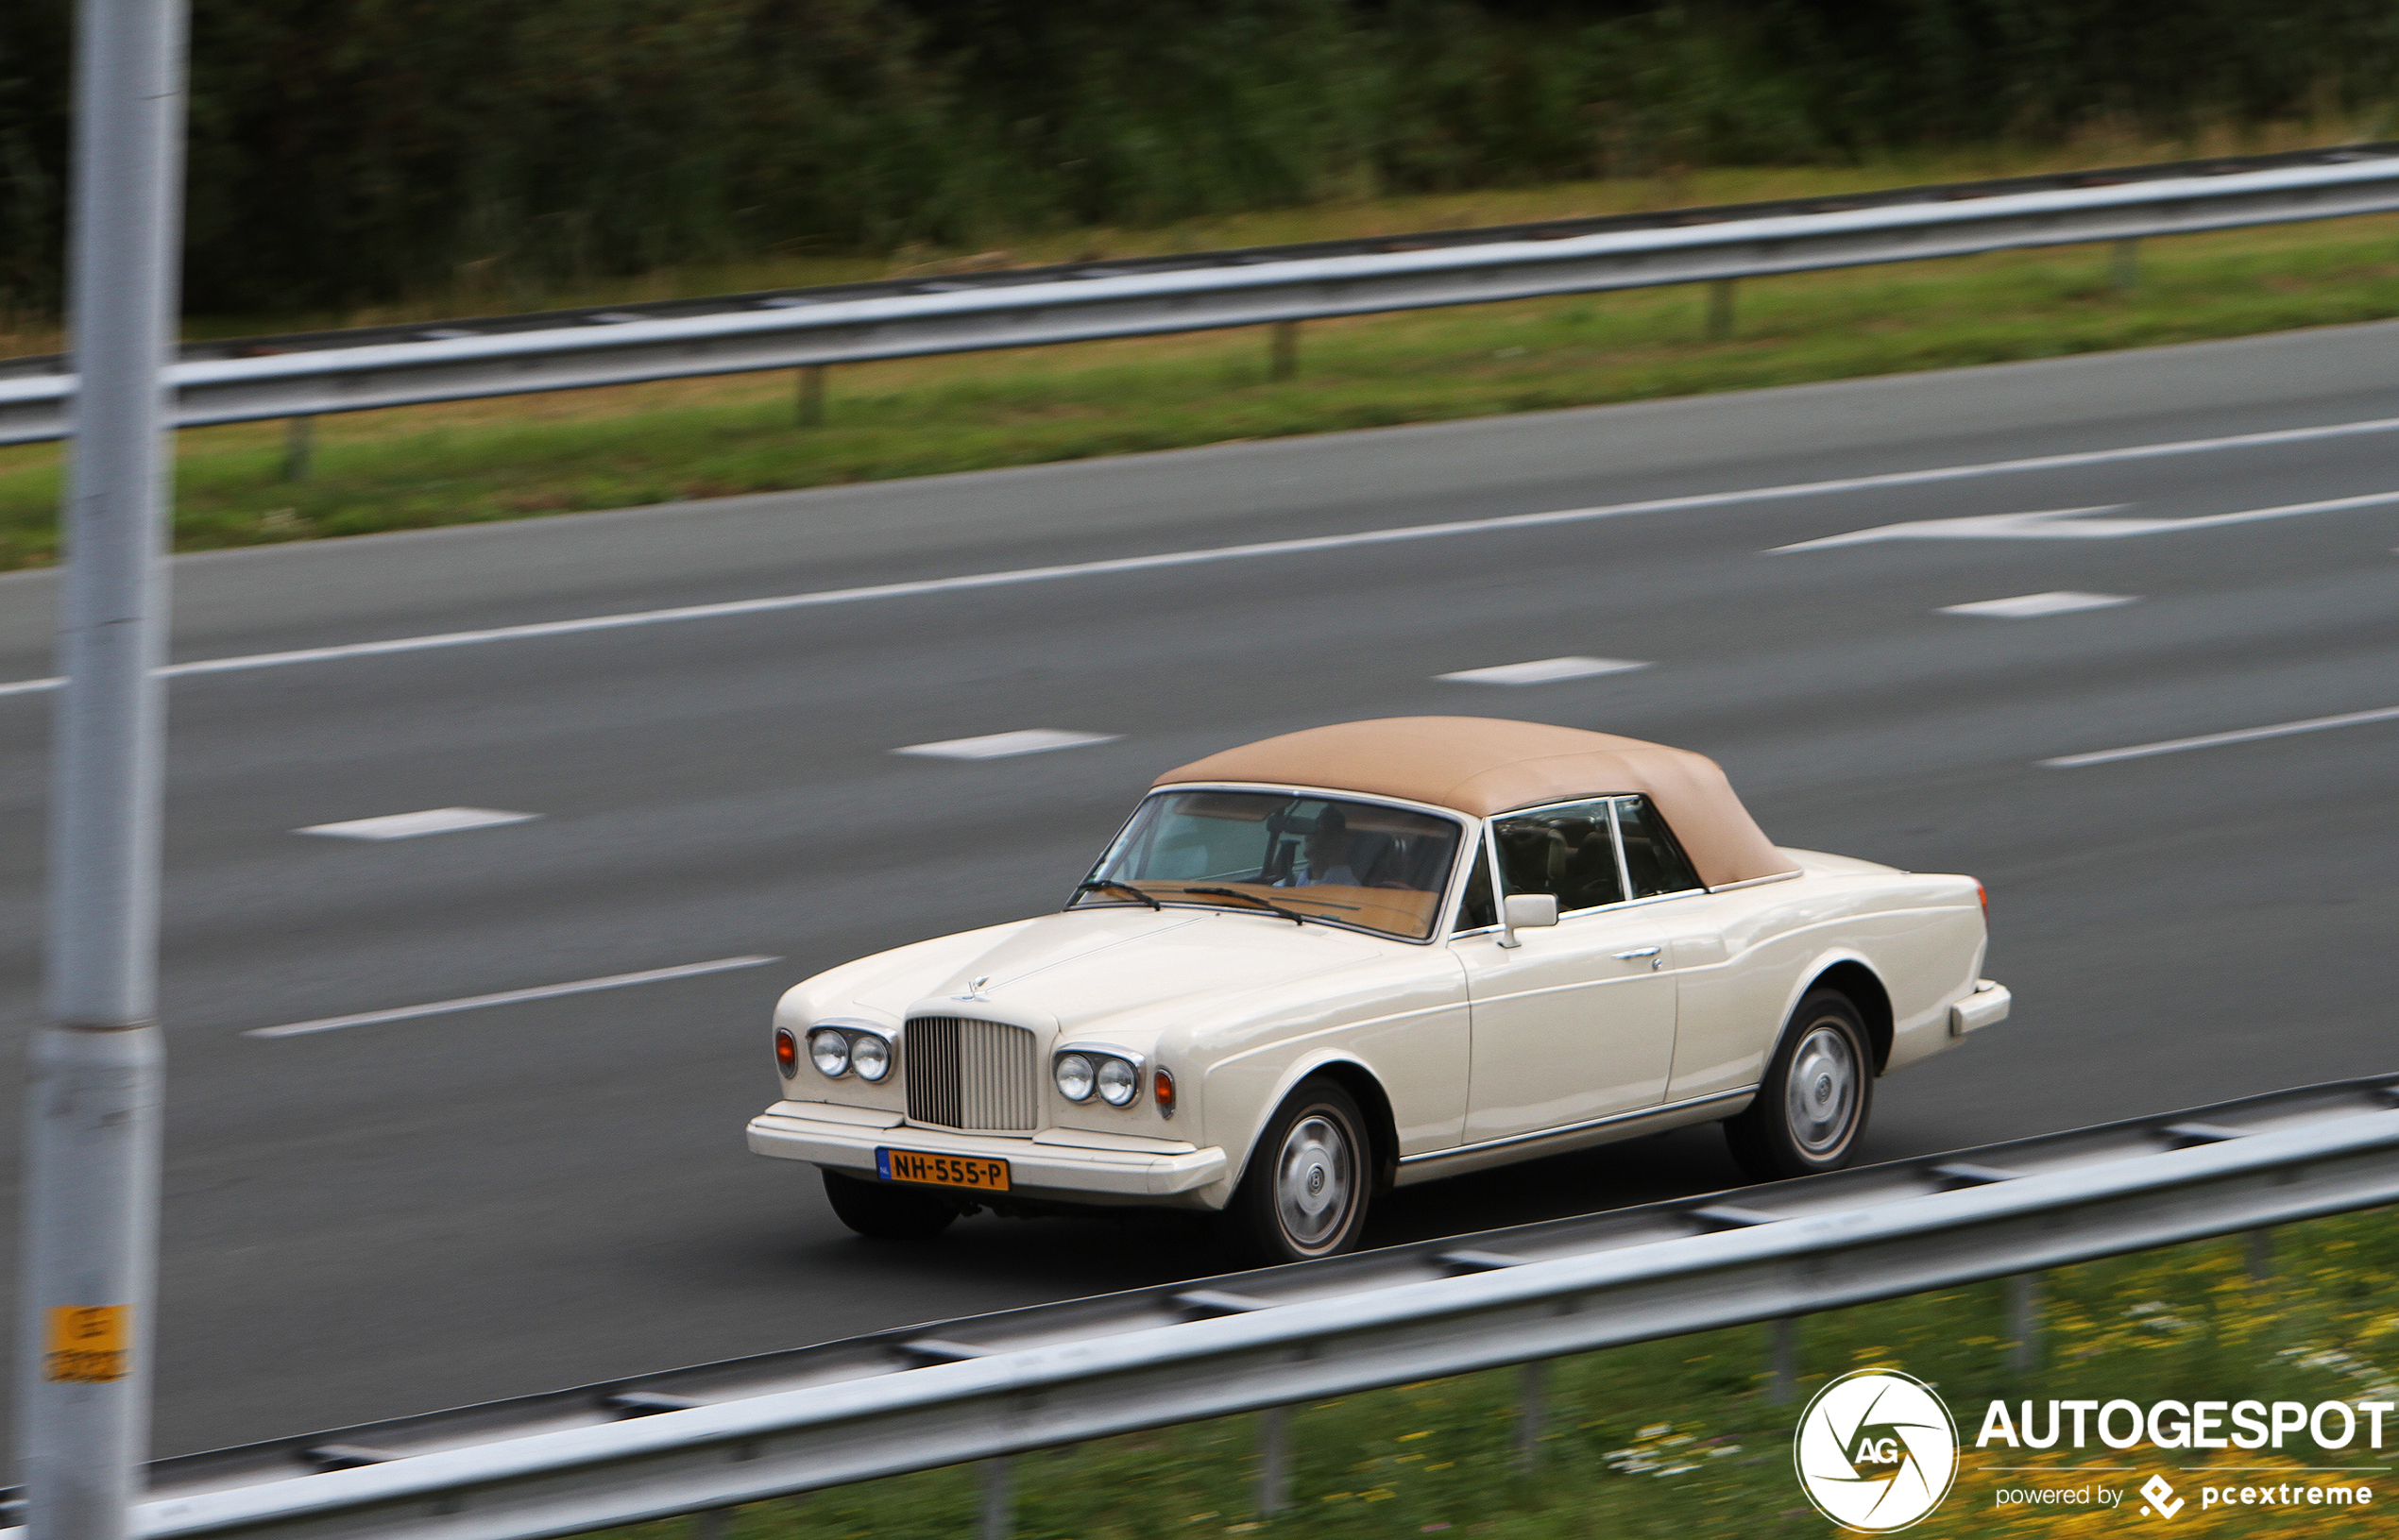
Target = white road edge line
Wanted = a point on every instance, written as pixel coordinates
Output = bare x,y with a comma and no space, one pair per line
508,997
2210,740
1241,553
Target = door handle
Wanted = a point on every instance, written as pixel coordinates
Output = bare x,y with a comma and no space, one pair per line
1637,952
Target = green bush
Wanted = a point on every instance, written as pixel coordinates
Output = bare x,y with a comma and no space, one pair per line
350,150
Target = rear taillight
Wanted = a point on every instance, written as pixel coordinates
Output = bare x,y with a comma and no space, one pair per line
787,1052
1163,1091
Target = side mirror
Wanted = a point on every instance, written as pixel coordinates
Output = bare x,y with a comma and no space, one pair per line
1529,911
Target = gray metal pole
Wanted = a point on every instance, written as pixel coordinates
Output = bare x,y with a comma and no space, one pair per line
1274,1461
93,1087
2023,1323
1782,1362
1532,1398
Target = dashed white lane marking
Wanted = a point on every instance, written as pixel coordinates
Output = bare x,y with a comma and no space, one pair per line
1032,740
410,825
2210,740
507,997
1265,547
2029,606
2070,524
1542,671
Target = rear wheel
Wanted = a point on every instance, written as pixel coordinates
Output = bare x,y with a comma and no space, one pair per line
1812,1108
886,1211
1305,1195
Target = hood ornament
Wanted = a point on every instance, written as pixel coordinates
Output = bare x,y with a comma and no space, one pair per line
974,988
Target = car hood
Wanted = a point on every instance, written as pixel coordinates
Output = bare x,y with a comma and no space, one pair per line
1086,966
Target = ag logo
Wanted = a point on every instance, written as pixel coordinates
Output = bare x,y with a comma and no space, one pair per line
1876,1450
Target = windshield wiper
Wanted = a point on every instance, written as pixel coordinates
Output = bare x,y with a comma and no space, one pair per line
1101,885
1292,915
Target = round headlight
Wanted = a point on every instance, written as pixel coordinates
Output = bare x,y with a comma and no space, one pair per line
1073,1076
870,1056
830,1050
1119,1084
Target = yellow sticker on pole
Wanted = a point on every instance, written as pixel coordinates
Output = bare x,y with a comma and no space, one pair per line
87,1343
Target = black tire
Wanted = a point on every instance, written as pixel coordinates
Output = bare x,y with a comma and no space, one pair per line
1811,1109
885,1212
1310,1175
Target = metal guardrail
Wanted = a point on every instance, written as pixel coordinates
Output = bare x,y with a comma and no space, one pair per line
704,1438
326,373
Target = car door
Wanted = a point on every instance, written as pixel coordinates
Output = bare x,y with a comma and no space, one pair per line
1576,1022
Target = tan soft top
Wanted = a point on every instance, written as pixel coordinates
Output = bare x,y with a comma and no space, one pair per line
1483,765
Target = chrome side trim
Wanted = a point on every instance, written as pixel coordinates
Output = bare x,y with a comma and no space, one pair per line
1563,1130
1756,882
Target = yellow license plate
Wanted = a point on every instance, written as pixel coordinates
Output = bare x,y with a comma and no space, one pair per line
969,1170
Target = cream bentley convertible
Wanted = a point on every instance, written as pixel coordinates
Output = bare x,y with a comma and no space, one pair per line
1341,961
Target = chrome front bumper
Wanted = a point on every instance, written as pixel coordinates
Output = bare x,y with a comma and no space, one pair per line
1062,1163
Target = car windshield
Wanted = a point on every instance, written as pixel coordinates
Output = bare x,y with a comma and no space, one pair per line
1347,863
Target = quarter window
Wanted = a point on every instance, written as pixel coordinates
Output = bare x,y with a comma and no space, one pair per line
1656,863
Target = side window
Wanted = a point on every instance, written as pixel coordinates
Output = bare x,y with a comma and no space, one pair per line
1475,910
1653,860
1566,851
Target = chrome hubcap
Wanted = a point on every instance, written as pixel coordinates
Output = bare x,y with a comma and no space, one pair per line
1314,1179
1823,1090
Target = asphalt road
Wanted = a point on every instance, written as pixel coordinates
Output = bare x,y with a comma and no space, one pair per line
387,1218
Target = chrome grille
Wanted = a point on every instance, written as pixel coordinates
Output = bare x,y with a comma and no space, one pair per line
983,1076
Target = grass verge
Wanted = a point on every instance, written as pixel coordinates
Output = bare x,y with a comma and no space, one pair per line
517,457
1676,1439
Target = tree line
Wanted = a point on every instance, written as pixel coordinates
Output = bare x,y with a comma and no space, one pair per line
348,150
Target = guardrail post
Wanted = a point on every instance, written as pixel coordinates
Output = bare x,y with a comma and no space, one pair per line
1782,1362
299,447
812,395
1000,1497
1719,309
712,1523
1274,1461
2259,1256
2124,264
1284,350
2024,1323
1532,1405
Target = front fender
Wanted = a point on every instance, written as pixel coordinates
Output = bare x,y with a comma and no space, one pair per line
1244,1092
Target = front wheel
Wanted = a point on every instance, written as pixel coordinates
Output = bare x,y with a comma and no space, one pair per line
1813,1107
1306,1192
884,1212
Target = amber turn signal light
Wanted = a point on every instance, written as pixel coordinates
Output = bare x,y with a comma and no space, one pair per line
787,1052
1162,1090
